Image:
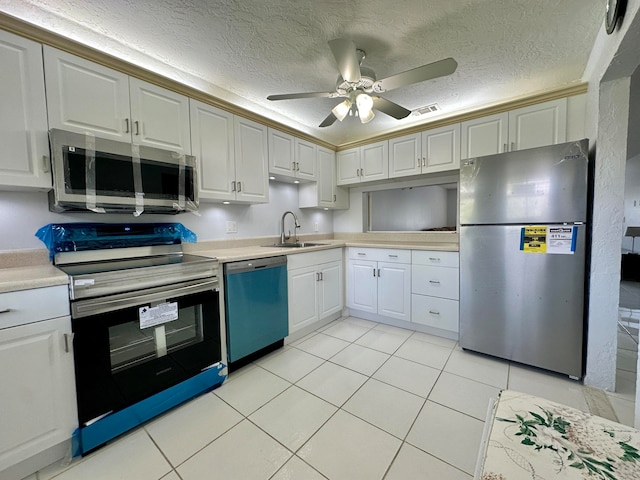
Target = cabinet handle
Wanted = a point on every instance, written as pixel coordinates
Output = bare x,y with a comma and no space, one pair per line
46,165
513,146
374,272
5,310
357,172
362,172
137,124
297,166
317,276
233,186
378,272
334,198
434,259
239,186
68,341
126,123
504,148
424,161
321,276
393,256
434,312
434,281
293,166
362,254
419,162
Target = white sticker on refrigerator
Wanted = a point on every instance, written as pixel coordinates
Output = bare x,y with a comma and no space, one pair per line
163,313
561,239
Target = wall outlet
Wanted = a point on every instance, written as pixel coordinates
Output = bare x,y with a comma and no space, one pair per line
316,227
232,227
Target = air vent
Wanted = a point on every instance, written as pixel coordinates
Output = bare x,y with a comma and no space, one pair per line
426,109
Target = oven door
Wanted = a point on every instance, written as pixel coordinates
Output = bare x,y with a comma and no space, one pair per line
131,346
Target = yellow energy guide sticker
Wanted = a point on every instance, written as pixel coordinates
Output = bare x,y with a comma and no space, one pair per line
534,239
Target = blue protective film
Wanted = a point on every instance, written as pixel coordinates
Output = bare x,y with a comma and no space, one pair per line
73,237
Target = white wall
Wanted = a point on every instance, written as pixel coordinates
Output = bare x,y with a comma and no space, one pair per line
21,214
612,61
409,209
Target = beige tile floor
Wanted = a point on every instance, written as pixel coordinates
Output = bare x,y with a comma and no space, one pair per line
353,400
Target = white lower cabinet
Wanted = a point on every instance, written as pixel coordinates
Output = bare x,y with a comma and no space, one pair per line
379,282
37,396
435,286
315,287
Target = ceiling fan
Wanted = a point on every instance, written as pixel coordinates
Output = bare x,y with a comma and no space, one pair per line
359,86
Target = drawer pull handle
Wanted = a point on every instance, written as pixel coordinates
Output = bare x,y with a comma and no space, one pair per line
393,256
361,254
6,310
434,259
434,281
434,312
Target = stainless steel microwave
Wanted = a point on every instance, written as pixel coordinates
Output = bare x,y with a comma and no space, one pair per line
95,174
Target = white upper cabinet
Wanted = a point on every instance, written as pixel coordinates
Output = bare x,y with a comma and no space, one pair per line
363,164
291,158
252,163
434,150
85,97
324,193
527,127
231,153
24,161
213,146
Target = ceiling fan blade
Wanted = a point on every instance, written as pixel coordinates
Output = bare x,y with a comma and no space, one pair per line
392,109
346,57
291,96
420,74
328,121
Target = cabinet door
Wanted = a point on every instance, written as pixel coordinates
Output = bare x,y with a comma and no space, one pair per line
306,160
374,160
441,149
23,117
160,117
484,136
83,96
362,286
348,166
326,177
212,144
303,297
405,156
281,153
38,398
394,290
251,146
538,125
330,289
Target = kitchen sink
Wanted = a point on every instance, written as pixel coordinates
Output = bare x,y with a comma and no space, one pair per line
296,245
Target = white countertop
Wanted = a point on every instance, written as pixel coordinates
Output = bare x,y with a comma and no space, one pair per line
25,278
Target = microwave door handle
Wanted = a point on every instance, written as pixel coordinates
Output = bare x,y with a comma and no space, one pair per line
95,306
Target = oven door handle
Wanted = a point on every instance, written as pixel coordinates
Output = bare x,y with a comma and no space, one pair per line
95,306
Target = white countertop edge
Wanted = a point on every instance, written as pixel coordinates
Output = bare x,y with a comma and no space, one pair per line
26,278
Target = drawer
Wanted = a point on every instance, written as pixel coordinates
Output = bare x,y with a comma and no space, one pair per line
441,282
34,305
301,260
435,312
438,259
393,255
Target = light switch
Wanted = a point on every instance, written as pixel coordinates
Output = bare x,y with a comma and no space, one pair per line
232,227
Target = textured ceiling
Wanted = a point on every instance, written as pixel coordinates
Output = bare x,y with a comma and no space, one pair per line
244,50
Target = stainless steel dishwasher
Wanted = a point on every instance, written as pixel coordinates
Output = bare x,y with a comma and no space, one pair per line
256,309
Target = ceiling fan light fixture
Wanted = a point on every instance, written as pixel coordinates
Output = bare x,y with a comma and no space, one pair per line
368,117
342,109
364,103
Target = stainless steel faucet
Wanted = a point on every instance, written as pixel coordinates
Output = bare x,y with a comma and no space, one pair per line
284,237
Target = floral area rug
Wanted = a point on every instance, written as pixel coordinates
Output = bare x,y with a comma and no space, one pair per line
532,438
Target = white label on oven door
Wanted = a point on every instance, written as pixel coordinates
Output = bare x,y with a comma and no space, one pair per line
163,313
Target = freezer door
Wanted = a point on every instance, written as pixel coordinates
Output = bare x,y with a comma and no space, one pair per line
539,185
521,306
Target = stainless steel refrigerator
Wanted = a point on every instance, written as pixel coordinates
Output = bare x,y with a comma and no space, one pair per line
523,225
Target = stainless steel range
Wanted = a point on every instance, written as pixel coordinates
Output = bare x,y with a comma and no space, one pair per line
146,325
